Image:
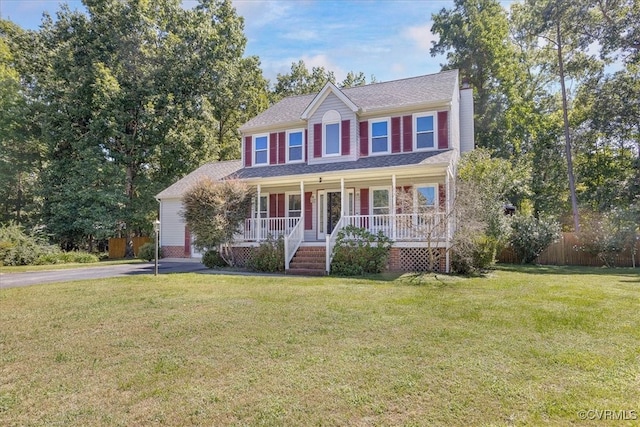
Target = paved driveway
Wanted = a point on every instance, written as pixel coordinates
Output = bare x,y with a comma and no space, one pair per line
165,266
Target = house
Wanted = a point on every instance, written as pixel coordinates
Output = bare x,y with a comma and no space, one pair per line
381,156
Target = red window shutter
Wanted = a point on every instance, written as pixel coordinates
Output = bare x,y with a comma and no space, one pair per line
364,201
395,135
247,151
273,148
317,140
273,205
442,195
280,205
308,211
443,130
282,147
364,138
305,147
187,241
346,137
407,134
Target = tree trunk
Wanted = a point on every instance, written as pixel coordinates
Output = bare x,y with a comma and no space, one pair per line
567,136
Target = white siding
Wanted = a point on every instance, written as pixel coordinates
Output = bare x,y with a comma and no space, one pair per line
171,223
466,120
332,102
454,121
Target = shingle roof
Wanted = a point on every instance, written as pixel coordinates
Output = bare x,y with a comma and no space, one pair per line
215,171
233,169
393,160
378,96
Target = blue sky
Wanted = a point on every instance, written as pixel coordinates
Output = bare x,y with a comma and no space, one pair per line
387,39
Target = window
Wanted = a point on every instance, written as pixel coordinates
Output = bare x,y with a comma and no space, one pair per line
380,201
426,197
294,205
261,150
379,136
294,145
260,211
331,134
425,132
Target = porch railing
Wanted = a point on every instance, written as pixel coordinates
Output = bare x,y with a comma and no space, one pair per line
256,229
331,243
403,227
292,242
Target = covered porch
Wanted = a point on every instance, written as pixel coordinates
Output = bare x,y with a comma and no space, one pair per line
412,210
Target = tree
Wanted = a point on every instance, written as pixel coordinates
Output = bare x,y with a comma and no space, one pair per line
215,212
137,95
21,151
483,187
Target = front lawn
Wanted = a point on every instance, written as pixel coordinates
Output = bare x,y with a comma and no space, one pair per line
519,347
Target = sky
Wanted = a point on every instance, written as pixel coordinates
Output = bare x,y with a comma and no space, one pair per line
387,39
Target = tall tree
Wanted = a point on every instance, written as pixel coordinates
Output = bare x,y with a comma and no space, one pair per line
140,93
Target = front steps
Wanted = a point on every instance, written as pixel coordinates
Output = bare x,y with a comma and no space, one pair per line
308,261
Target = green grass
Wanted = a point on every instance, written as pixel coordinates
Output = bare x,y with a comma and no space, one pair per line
522,346
68,266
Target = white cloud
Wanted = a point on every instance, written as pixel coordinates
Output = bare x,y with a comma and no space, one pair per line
421,36
262,12
301,35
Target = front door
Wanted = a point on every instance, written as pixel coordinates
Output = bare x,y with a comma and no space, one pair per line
329,207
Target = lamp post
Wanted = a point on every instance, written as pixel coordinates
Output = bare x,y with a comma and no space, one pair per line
156,228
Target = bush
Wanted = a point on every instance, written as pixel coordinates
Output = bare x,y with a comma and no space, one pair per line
473,253
358,251
269,257
212,259
531,236
67,258
147,252
20,248
606,235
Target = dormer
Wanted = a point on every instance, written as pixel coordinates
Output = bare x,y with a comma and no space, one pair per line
332,119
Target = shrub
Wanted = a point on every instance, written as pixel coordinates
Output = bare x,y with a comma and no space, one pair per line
20,248
212,259
473,253
66,258
606,235
358,251
269,257
532,235
148,252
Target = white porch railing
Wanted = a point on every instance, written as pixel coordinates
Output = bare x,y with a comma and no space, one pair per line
292,242
403,227
256,229
331,242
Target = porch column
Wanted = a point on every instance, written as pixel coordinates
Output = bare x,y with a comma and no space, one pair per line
342,197
448,218
258,220
393,206
302,203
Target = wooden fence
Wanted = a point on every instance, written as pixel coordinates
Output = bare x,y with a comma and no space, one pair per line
565,252
118,246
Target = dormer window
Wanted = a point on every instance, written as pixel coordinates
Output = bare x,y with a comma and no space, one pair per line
379,136
331,134
261,150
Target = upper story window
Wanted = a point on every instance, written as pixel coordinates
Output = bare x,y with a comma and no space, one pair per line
295,144
261,150
425,135
379,136
331,134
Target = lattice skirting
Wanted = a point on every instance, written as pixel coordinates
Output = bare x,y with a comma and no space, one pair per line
174,252
417,259
242,254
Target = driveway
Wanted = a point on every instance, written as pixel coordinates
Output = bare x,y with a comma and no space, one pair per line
165,266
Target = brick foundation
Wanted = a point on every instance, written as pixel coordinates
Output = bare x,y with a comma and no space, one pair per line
174,252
